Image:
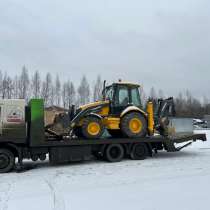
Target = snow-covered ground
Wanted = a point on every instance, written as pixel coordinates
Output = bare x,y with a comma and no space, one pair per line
168,181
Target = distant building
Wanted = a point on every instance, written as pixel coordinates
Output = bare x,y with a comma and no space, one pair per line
50,113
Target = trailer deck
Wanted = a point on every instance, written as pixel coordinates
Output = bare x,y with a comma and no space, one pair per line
177,138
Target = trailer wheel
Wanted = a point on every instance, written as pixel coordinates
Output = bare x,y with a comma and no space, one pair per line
42,157
114,153
7,160
34,157
139,151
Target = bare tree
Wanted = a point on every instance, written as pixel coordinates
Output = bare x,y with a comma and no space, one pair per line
57,91
9,90
4,86
1,83
52,95
97,89
24,84
143,96
15,86
64,94
47,89
160,93
83,91
153,94
68,94
36,85
7,87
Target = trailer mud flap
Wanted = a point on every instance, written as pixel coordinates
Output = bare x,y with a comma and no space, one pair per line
68,154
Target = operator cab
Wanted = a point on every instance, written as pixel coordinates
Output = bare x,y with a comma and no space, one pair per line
122,95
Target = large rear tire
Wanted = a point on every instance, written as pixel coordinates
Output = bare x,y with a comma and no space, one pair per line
7,160
92,128
134,125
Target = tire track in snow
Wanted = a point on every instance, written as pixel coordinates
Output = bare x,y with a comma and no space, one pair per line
58,200
5,197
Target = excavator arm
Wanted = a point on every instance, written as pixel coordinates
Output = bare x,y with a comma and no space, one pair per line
164,109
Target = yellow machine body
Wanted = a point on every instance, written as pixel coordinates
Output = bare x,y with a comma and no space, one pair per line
150,118
104,111
111,117
114,122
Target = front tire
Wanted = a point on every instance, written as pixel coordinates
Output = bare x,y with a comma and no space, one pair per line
7,160
92,128
134,125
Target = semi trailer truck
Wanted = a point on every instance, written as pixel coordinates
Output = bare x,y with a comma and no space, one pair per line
23,135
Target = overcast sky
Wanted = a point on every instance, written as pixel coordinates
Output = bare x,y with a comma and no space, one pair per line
160,43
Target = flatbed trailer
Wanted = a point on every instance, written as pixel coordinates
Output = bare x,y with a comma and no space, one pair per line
109,149
114,150
36,144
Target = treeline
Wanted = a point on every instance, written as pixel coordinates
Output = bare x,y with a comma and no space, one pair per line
64,93
50,88
186,105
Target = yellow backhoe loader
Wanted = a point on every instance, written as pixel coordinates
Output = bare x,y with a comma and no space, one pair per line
120,112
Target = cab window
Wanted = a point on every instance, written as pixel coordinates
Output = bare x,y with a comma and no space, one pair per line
109,93
123,96
135,97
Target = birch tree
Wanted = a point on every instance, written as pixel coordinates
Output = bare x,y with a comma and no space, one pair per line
57,90
64,95
36,85
15,87
4,86
24,84
143,96
68,94
160,93
153,94
97,89
1,83
46,89
9,90
83,91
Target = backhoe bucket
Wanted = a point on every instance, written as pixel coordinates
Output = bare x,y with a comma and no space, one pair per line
163,110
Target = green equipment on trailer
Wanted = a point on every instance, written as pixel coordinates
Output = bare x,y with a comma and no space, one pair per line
23,136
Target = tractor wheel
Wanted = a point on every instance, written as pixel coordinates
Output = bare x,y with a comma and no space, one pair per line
139,151
134,125
7,160
114,153
115,133
92,128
